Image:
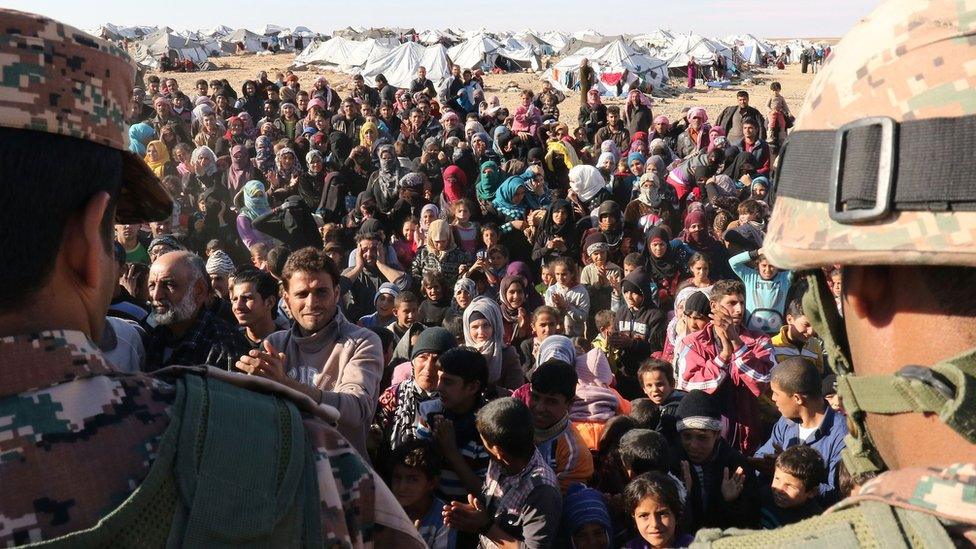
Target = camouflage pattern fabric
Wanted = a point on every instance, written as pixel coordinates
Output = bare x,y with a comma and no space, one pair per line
907,508
906,61
57,79
77,438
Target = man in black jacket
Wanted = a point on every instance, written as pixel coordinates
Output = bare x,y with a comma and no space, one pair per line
731,118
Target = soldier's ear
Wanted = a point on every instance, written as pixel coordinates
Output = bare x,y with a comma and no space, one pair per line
868,292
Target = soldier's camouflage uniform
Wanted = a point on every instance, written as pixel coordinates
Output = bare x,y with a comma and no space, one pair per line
77,438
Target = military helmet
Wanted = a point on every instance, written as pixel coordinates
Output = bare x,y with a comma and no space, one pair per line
880,168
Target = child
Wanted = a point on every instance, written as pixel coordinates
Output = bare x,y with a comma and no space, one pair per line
829,389
545,322
653,501
797,337
569,297
433,309
585,522
792,497
639,330
657,380
413,478
490,235
604,326
546,279
766,291
406,247
599,275
384,302
497,264
406,306
520,492
464,228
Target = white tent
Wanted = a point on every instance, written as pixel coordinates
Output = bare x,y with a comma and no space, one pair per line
400,65
559,41
219,31
751,48
435,36
348,55
655,41
702,49
590,37
484,52
150,50
252,41
614,61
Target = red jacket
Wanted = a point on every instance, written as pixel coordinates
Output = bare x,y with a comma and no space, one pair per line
737,383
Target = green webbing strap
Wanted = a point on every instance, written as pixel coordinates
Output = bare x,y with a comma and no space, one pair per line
923,528
888,394
820,310
238,469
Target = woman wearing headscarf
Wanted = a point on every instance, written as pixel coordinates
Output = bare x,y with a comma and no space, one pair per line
250,102
484,331
139,136
383,183
592,114
662,129
206,176
241,169
158,160
440,254
455,187
283,180
556,237
621,237
411,202
264,158
311,184
252,202
698,237
510,207
490,179
666,261
369,133
695,138
465,290
533,298
516,316
287,123
587,189
638,115
638,143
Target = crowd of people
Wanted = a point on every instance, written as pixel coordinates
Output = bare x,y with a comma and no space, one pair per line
567,336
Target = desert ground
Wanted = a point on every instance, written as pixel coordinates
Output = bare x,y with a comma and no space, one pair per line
237,69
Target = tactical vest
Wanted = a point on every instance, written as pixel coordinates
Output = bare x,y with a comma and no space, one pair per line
855,525
233,470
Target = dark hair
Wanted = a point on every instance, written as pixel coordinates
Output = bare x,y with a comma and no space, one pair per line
371,235
643,450
775,86
43,195
455,325
795,308
405,296
656,365
613,109
309,260
276,258
658,486
264,283
385,335
698,256
797,375
614,429
603,319
498,249
555,377
633,258
466,363
432,278
953,287
507,423
417,454
742,93
751,121
152,79
804,463
750,206
544,310
645,413
726,287
488,227
202,80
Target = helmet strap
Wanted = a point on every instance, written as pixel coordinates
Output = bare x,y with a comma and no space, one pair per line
947,388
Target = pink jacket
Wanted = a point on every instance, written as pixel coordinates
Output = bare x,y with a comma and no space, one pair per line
527,119
738,383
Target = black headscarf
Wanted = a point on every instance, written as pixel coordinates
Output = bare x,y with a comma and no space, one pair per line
666,266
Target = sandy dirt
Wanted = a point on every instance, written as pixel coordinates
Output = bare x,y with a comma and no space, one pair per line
236,69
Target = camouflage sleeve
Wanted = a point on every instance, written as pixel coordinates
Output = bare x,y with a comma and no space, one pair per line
358,510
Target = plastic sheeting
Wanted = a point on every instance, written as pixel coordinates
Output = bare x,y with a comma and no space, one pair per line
400,65
347,55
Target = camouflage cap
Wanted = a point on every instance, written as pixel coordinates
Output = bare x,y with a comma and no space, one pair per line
58,79
908,61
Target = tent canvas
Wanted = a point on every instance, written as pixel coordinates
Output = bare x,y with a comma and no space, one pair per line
400,65
252,41
609,64
154,47
347,55
702,49
482,52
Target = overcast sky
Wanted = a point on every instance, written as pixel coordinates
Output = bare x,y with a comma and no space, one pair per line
767,18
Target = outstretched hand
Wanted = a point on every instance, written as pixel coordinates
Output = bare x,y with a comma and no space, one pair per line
266,362
732,484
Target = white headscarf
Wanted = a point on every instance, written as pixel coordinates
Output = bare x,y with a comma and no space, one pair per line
492,350
586,181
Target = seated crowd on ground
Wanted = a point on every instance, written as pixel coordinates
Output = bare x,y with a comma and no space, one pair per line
568,336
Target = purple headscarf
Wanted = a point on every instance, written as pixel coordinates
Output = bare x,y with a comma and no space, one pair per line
532,297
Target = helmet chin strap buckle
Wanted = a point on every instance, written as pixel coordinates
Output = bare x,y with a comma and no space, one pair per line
929,377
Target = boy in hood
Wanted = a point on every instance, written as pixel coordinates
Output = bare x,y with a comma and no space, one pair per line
639,330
